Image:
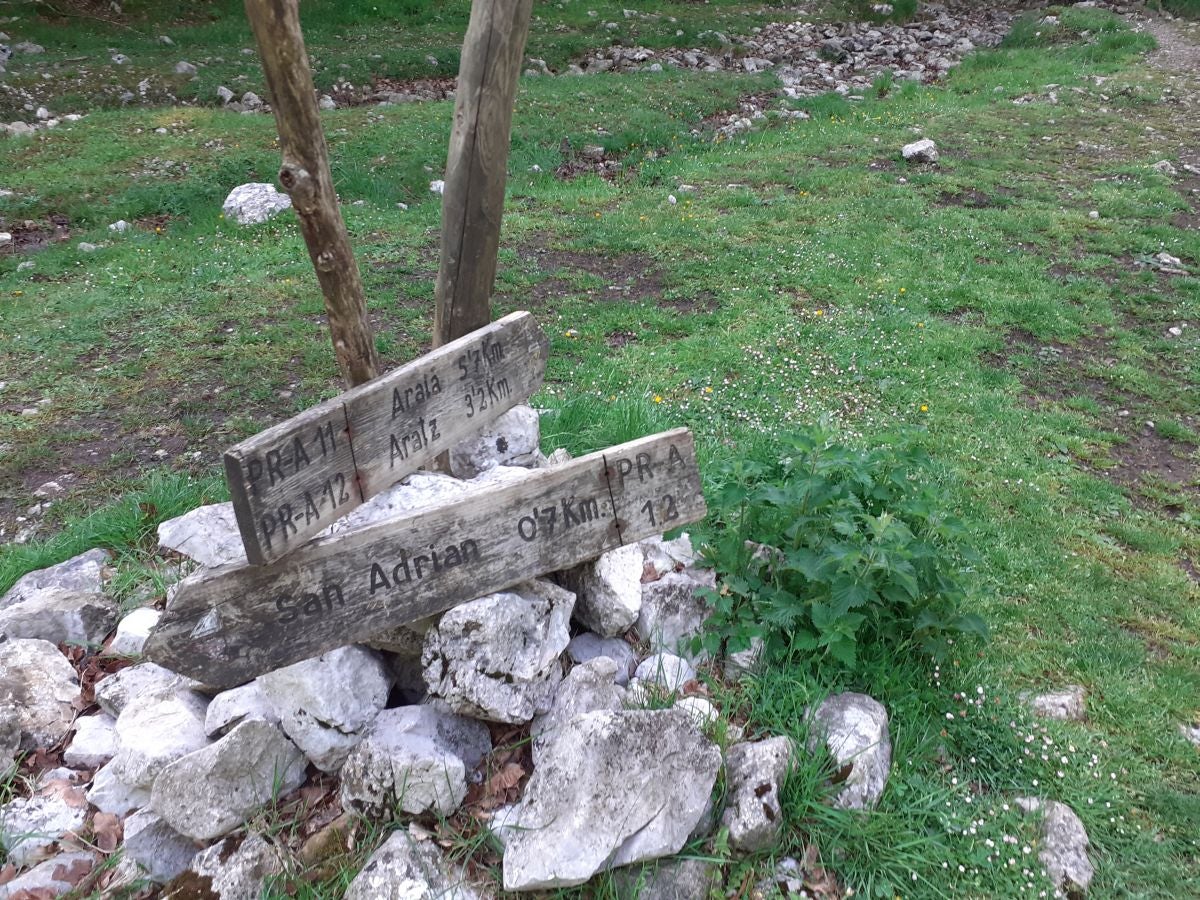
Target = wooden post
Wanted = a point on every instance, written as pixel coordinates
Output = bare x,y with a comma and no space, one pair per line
473,199
304,174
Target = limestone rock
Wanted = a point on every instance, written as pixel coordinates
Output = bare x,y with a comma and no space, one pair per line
94,744
49,878
41,685
185,68
60,617
588,687
922,151
240,704
511,440
234,869
416,757
109,793
1191,733
152,732
1069,704
670,879
663,557
31,825
609,590
612,788
666,670
673,610
1064,845
496,658
754,772
417,492
147,679
326,704
210,792
590,645
207,534
82,574
408,868
160,850
133,631
854,728
256,202
702,711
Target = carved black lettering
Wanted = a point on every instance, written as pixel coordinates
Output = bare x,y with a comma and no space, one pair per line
333,594
527,528
547,516
310,508
417,565
254,471
644,467
470,403
402,565
673,457
286,607
434,434
285,519
268,528
274,466
589,510
453,557
312,605
469,550
340,480
569,517
672,511
397,452
624,467
378,578
298,454
327,491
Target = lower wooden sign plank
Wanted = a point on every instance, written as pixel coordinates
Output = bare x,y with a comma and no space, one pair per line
296,478
227,625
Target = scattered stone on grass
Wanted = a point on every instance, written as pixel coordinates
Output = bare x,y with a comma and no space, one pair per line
613,787
702,711
41,685
513,439
236,868
1064,844
670,879
133,631
207,534
609,590
1164,167
60,617
1191,733
674,611
854,729
82,574
185,68
409,866
326,704
210,792
496,658
754,774
416,757
667,670
590,645
32,825
161,851
94,743
254,203
662,557
1068,705
922,151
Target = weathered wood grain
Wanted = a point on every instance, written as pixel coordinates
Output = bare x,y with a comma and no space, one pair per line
477,163
293,480
304,174
227,625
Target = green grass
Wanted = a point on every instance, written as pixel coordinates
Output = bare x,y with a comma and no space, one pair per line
809,275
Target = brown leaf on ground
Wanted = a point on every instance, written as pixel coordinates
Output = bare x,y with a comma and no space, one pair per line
75,872
64,790
327,842
819,881
107,831
7,873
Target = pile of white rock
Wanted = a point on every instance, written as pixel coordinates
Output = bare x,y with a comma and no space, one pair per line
595,662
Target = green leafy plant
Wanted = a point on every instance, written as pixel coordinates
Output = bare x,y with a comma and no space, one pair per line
831,548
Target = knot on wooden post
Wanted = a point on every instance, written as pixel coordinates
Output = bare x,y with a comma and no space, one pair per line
326,260
299,184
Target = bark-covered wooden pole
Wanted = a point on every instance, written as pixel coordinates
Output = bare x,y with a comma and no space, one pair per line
304,174
473,199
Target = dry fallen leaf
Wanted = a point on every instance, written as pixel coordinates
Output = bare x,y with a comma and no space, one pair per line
7,873
108,831
74,873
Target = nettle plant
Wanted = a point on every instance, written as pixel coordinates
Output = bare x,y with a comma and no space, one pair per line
831,549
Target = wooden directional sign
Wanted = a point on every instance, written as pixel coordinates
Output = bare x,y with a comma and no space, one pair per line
229,624
293,480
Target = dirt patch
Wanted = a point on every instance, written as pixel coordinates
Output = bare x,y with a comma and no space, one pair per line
618,339
589,160
704,302
32,235
626,276
970,198
396,91
1146,458
1190,569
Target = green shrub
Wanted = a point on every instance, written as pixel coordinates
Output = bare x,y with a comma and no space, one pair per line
832,548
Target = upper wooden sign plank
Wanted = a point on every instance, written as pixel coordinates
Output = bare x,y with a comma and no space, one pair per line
227,625
293,480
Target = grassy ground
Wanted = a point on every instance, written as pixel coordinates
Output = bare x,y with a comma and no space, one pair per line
804,273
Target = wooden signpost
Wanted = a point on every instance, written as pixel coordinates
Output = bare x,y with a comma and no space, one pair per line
293,480
227,625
